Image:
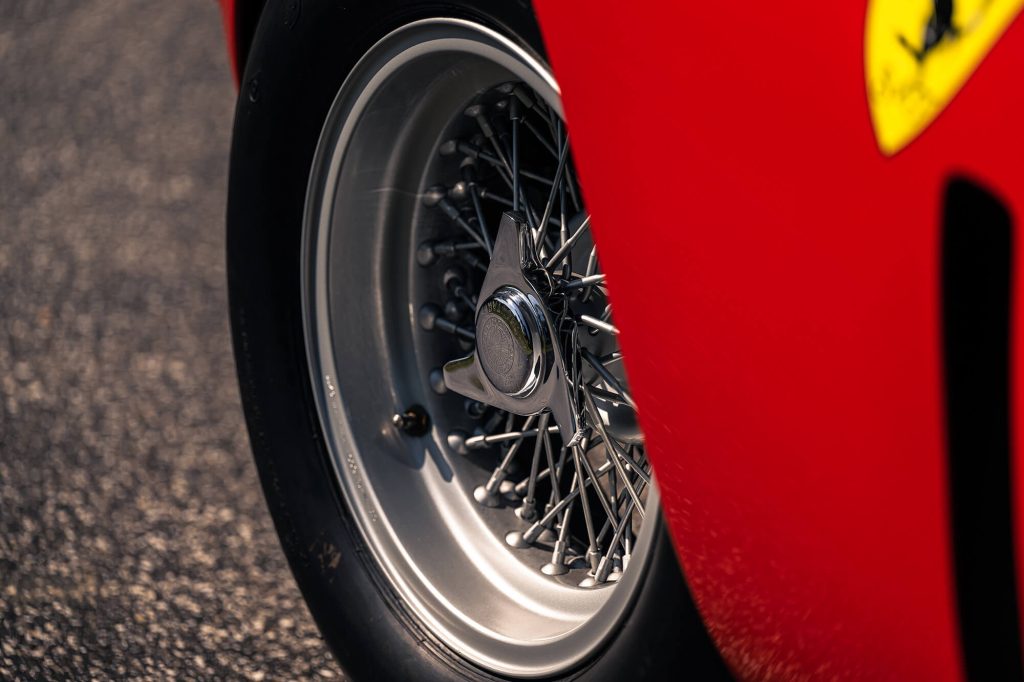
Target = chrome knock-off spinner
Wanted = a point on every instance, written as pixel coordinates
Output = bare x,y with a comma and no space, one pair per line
517,363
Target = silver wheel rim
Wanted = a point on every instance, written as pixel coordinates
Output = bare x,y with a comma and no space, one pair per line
445,555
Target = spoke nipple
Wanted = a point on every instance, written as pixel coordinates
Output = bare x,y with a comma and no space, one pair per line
554,569
454,277
484,497
532,533
485,125
426,254
475,408
523,96
494,421
547,535
457,442
448,147
414,421
433,196
516,539
557,564
459,191
507,489
604,567
454,310
428,315
527,512
436,379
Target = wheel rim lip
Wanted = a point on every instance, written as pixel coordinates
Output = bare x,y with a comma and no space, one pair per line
475,641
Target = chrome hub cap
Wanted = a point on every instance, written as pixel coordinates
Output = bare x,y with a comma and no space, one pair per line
511,332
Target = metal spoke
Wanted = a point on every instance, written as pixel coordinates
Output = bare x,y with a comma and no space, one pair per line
557,564
606,395
567,245
431,318
591,269
592,555
604,567
540,137
514,116
602,498
469,177
503,168
435,197
554,473
523,485
599,325
609,492
582,282
487,493
550,205
563,222
634,465
505,201
476,153
534,530
596,418
477,442
477,112
529,509
608,377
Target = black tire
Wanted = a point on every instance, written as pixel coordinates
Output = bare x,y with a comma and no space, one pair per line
300,56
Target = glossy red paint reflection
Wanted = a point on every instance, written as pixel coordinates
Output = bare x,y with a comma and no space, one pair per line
776,280
227,12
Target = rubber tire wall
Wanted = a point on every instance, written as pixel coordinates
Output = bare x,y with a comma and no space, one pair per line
301,53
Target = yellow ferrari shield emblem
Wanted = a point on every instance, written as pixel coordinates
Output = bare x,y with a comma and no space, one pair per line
919,53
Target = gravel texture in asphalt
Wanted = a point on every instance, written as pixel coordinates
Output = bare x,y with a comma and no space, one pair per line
134,539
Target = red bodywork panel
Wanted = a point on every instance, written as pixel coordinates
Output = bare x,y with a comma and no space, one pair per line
227,12
776,280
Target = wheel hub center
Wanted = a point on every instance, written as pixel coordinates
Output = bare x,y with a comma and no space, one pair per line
517,364
508,326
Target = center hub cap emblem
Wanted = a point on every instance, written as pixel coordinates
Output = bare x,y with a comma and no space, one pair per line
508,327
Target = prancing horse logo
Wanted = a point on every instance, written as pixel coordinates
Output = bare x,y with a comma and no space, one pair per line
940,25
910,83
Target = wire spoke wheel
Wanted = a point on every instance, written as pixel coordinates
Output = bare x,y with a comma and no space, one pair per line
464,357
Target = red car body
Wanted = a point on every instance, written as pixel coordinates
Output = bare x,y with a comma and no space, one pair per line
800,362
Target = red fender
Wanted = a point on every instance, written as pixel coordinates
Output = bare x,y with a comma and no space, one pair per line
790,378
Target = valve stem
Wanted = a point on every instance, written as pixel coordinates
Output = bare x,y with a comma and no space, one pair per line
414,421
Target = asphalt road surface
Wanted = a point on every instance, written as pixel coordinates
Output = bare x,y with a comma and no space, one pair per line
134,539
